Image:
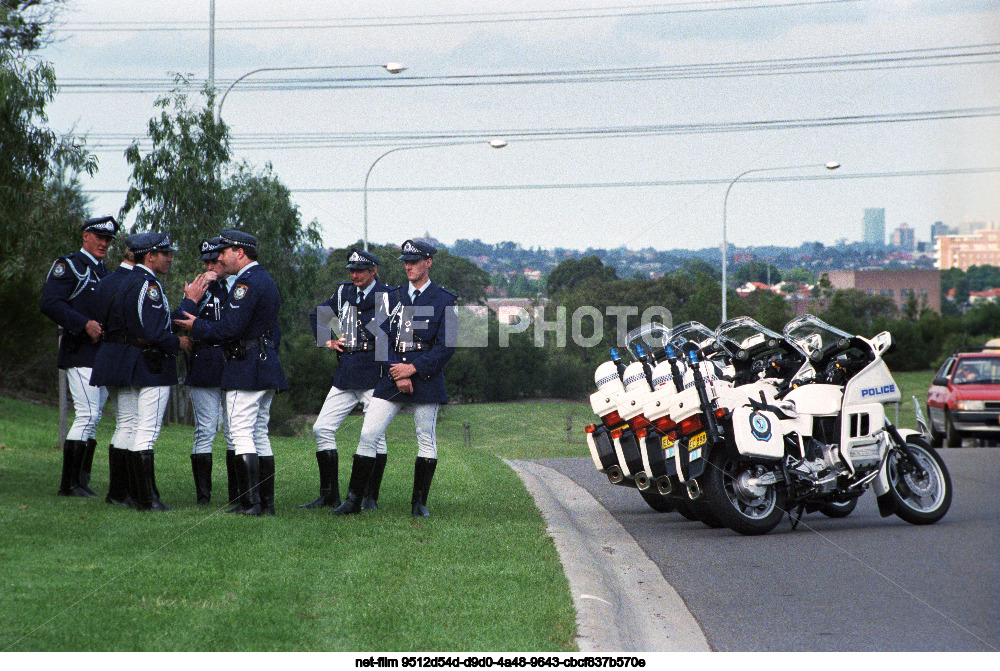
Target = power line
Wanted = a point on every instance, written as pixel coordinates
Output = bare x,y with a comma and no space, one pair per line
277,142
879,60
526,16
635,184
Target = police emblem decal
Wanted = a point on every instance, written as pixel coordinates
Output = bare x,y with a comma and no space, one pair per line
760,426
154,294
59,270
240,291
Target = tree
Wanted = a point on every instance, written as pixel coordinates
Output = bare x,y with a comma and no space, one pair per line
756,271
571,272
177,186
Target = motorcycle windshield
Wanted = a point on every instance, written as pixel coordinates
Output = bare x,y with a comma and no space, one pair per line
695,332
648,340
813,335
745,333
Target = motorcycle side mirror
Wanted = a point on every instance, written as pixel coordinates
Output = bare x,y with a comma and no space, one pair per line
882,342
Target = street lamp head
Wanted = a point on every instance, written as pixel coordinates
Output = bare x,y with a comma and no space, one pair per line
832,165
497,143
394,68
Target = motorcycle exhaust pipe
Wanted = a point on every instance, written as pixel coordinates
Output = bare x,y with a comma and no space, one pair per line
664,486
642,480
615,474
694,489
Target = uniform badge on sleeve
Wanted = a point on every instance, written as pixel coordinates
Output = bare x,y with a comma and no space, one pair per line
154,294
240,291
59,270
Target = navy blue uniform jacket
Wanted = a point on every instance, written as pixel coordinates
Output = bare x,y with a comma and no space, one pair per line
138,311
249,313
108,302
434,306
357,370
206,363
68,300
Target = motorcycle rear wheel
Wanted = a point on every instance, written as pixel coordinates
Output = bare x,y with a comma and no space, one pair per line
656,500
831,509
747,509
683,506
921,499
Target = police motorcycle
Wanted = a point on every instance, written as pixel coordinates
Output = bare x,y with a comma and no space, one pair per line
822,438
618,402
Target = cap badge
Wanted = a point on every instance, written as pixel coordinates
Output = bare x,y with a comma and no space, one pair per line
205,245
410,249
355,257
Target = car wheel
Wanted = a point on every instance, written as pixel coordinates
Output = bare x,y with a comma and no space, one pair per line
952,437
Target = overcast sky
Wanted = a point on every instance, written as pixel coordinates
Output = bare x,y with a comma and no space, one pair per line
637,117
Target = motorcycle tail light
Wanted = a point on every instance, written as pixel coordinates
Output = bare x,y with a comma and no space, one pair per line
639,422
720,413
691,424
612,419
664,424
590,428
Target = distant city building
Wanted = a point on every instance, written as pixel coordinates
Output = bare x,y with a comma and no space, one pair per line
939,228
981,248
903,238
875,226
898,285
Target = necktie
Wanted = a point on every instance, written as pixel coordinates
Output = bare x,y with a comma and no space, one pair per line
416,295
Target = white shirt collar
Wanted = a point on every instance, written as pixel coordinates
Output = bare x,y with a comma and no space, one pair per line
245,268
90,256
423,289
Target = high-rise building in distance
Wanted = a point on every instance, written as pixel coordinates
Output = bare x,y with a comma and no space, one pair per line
875,226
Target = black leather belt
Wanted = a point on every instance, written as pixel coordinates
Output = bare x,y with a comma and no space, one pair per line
260,342
201,344
404,347
124,339
364,346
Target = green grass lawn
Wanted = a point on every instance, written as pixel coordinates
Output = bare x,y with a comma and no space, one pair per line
480,574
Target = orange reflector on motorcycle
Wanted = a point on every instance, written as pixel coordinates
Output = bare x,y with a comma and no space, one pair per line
664,424
590,428
691,424
616,433
720,413
640,433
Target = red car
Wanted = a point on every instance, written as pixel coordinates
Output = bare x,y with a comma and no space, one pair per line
964,398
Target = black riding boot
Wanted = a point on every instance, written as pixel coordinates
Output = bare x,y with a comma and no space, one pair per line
329,484
86,465
361,471
69,485
266,484
201,468
151,497
117,477
247,468
370,501
133,473
423,473
231,481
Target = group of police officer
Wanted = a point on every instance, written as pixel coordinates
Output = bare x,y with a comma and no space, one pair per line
120,339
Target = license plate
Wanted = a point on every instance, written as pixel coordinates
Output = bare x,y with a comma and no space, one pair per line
697,440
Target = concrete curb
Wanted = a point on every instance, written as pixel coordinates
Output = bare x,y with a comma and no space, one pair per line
622,601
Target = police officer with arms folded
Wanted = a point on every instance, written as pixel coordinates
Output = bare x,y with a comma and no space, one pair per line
139,359
249,335
109,290
358,305
421,317
204,374
67,299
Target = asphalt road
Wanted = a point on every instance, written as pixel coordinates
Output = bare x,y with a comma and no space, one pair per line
862,583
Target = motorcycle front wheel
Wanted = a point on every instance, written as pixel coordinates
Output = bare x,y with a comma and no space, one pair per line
741,503
922,490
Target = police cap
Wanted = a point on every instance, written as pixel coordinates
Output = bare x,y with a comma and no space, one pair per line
103,226
234,238
359,259
143,243
210,248
415,250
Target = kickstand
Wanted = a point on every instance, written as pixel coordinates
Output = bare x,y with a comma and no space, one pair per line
798,515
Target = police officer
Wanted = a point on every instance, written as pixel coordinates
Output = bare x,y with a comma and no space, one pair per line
249,335
357,304
204,373
139,359
67,299
421,316
108,290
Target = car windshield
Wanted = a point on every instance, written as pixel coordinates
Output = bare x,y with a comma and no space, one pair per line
977,370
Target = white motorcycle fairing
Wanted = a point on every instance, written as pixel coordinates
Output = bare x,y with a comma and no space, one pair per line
757,433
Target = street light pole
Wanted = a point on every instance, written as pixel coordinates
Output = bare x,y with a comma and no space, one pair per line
496,144
832,165
391,68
